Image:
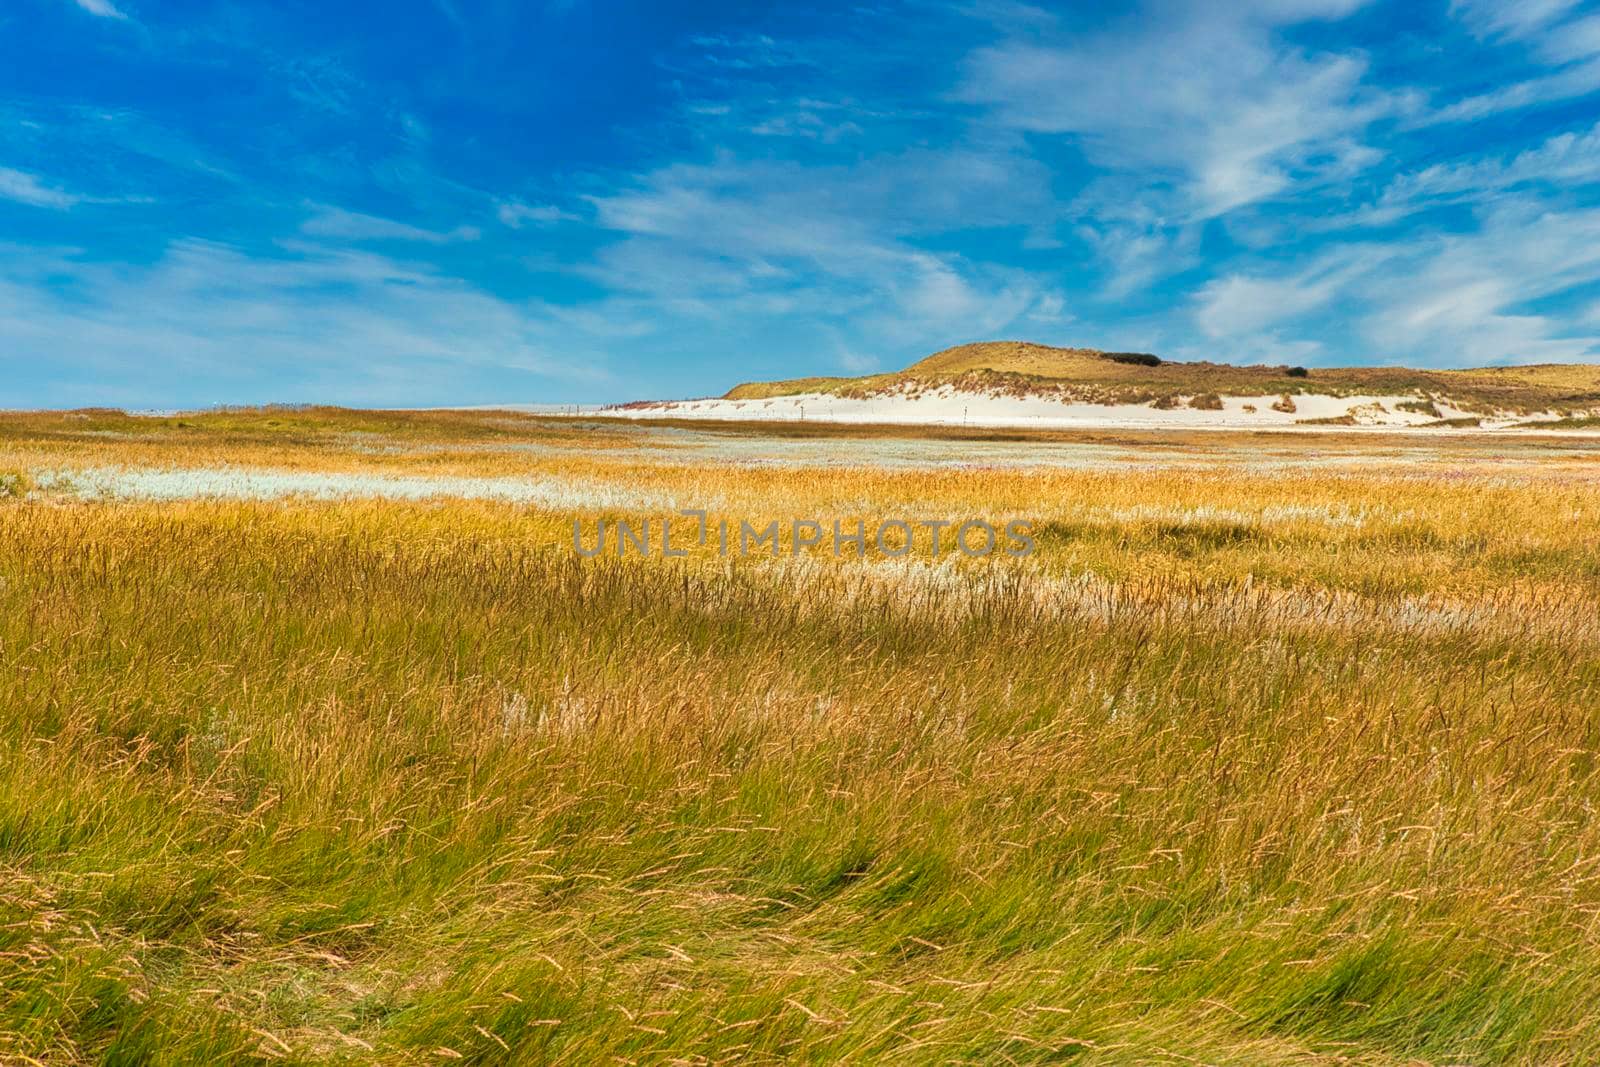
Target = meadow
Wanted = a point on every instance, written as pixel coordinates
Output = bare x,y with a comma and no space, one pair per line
321,744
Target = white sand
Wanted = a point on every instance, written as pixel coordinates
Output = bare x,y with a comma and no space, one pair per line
951,407
255,483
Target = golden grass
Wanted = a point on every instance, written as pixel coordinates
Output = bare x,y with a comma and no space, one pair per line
1256,760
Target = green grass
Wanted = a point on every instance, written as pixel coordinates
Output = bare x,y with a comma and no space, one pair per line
1571,422
398,783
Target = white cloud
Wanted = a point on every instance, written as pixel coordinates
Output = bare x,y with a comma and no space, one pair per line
1567,160
354,226
1468,324
855,363
1463,299
1569,47
516,214
1508,18
309,324
748,239
1238,306
1139,249
1435,299
1205,95
103,8
936,298
25,188
1576,40
1579,80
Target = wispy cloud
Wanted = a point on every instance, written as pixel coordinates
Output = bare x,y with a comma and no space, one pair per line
207,322
25,188
355,226
1568,160
1240,307
1509,18
1568,49
516,214
103,8
1445,300
830,245
1206,96
1468,298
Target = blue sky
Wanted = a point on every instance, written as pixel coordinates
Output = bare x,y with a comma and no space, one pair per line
449,201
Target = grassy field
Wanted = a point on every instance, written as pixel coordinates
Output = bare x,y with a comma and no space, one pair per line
1277,750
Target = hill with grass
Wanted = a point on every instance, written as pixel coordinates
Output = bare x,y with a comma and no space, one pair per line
1020,368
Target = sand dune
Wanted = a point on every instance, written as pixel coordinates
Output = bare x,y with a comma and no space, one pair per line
950,406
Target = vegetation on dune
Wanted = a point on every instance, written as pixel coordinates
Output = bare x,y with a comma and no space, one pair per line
1241,766
1088,375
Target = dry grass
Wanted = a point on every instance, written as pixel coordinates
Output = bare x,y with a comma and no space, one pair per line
1246,764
